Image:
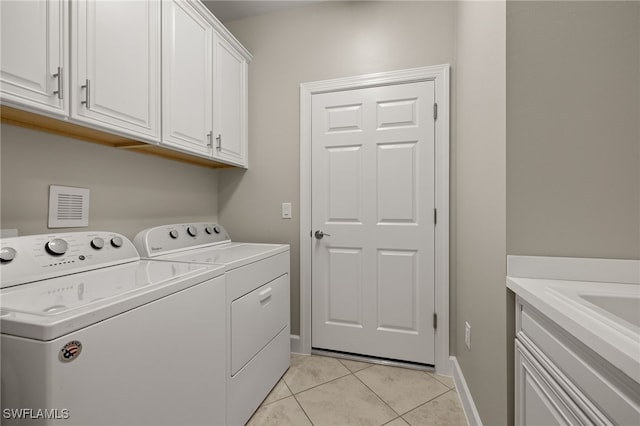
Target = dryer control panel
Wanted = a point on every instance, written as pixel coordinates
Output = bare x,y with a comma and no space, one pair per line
37,257
179,237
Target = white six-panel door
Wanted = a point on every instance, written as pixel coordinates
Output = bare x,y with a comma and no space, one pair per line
373,198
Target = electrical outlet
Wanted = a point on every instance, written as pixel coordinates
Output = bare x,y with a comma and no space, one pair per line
467,335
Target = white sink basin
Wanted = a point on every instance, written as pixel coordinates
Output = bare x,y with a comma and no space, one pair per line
626,308
603,316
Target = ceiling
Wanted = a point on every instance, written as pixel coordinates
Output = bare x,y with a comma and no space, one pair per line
227,11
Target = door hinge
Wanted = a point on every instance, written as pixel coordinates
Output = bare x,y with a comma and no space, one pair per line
435,111
435,320
435,216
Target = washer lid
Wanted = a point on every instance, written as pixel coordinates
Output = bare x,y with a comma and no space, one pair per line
47,309
232,255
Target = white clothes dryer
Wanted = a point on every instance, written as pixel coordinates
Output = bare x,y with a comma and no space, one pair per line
257,279
92,335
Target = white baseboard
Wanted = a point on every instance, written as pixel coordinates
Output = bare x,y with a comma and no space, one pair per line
296,346
473,418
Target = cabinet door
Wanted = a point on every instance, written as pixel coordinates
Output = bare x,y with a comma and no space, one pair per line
539,400
230,105
187,64
116,66
34,72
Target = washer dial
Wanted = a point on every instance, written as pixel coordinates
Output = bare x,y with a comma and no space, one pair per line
97,243
7,254
116,242
56,247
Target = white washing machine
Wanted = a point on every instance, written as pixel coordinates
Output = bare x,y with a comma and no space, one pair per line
257,279
92,335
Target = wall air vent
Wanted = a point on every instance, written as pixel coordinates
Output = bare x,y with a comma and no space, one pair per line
68,207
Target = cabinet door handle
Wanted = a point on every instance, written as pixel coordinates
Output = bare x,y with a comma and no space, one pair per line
209,139
265,295
60,87
219,142
87,93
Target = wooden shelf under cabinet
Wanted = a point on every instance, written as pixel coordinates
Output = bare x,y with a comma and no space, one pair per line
30,120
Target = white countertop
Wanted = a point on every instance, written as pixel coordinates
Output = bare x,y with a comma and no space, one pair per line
568,302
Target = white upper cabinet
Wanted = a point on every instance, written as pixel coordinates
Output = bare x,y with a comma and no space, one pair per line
34,72
204,85
187,66
115,49
164,72
230,104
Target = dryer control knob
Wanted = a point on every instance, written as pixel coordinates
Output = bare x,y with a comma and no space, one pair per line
97,243
116,242
192,230
173,234
208,229
56,247
216,229
7,254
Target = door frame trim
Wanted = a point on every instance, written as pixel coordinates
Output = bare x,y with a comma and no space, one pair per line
439,74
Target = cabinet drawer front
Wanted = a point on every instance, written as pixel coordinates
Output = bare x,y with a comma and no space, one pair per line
591,379
256,318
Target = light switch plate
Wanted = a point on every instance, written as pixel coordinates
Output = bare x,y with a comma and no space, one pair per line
286,210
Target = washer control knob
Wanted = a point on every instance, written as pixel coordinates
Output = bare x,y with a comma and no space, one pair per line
97,243
116,242
173,234
56,247
208,229
7,254
216,229
192,230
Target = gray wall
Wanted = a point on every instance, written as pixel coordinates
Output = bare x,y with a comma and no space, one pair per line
573,157
310,43
129,191
479,236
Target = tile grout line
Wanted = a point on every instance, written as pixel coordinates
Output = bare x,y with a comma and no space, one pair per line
302,408
319,384
393,420
419,405
434,376
425,403
376,394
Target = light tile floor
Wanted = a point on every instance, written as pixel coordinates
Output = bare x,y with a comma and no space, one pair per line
319,390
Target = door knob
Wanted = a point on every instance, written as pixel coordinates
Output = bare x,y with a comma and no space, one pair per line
319,235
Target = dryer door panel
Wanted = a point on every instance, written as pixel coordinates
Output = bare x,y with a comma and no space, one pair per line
256,318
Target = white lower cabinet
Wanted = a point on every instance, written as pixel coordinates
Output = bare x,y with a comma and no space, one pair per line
560,381
540,399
